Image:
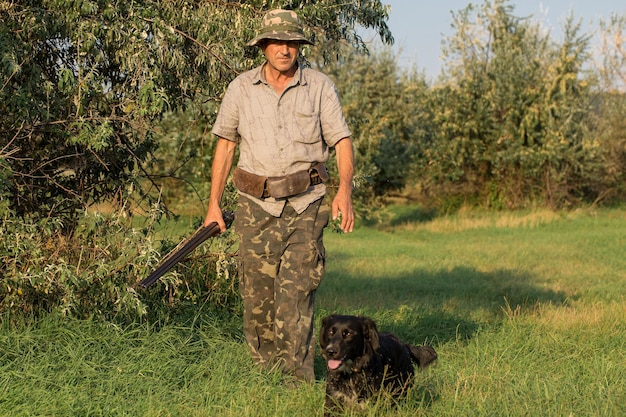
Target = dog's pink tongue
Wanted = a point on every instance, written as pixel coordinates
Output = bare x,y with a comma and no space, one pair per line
334,364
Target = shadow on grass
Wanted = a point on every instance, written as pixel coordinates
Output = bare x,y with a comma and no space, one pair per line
412,214
400,215
441,307
432,308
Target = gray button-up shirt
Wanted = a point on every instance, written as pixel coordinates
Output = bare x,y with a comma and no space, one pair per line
282,134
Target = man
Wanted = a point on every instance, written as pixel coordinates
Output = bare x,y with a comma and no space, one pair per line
284,118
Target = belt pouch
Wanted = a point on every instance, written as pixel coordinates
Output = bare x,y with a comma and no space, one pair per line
249,183
288,185
321,170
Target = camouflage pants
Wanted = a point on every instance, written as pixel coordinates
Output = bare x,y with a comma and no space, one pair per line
281,266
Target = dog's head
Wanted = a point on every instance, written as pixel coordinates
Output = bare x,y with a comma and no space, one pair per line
348,342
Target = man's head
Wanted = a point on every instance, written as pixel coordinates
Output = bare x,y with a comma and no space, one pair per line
280,25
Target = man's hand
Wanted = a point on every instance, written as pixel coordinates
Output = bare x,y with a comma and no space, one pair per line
215,215
342,203
342,206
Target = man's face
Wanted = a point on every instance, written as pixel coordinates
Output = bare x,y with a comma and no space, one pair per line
281,55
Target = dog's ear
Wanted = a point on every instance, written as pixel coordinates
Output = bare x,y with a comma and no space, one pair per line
370,332
323,330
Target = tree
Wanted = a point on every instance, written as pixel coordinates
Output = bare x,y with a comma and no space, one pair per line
512,111
611,107
613,70
384,108
88,90
83,83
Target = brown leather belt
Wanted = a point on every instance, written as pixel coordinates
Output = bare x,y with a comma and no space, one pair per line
314,179
279,187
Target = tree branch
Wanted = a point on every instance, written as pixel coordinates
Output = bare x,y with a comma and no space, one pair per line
195,41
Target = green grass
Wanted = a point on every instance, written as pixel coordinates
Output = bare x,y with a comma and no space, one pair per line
526,310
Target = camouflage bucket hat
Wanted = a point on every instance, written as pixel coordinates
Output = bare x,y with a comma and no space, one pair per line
282,25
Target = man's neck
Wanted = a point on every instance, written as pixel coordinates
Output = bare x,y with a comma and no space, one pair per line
279,79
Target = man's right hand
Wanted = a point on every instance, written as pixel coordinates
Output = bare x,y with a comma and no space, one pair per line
214,215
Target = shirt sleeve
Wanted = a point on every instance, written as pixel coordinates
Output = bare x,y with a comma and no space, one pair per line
334,126
227,122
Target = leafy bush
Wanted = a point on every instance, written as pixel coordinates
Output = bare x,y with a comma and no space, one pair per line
83,85
94,273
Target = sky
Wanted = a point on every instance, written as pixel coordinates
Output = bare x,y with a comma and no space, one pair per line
419,26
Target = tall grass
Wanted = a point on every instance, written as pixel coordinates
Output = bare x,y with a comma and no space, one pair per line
526,310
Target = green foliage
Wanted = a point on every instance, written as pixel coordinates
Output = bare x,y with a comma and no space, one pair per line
186,143
182,166
611,107
65,103
513,112
104,101
526,312
88,91
611,130
386,113
94,273
613,69
83,83
514,120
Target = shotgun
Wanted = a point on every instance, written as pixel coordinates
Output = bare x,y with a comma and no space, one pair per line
185,247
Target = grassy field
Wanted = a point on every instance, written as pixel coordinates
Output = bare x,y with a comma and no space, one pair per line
527,312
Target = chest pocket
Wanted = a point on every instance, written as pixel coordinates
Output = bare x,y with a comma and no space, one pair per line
307,127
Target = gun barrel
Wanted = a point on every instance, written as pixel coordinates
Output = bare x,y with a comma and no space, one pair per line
184,248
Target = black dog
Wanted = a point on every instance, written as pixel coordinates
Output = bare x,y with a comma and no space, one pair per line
361,362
